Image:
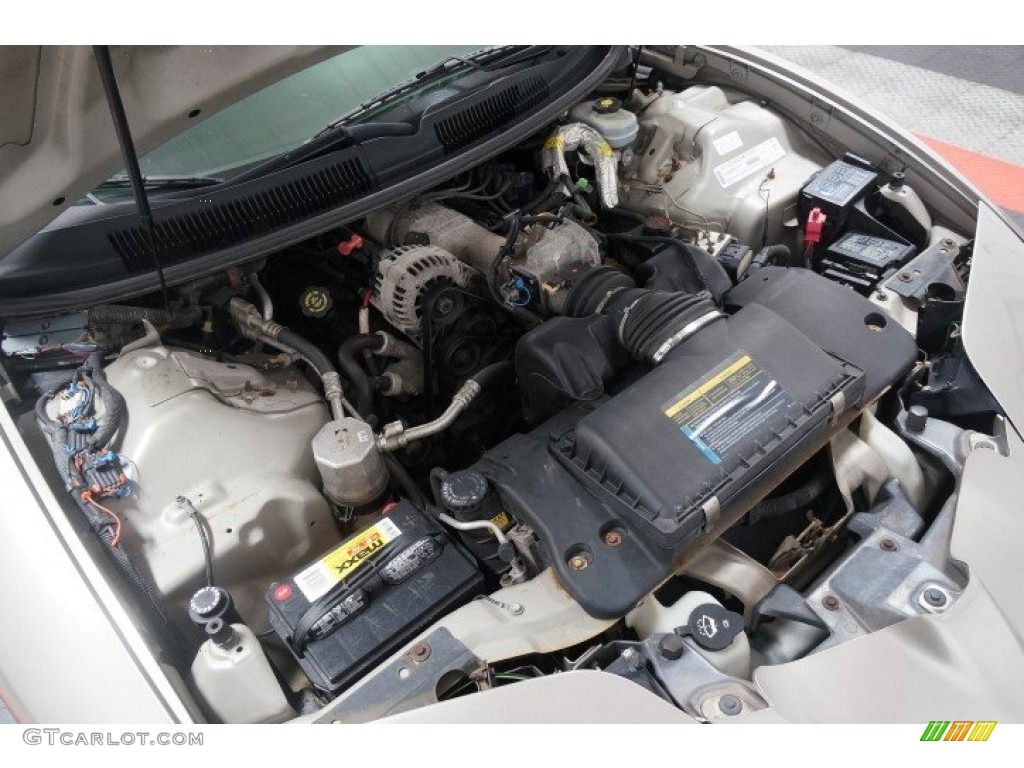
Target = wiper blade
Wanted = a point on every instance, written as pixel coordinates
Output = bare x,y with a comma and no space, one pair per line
163,182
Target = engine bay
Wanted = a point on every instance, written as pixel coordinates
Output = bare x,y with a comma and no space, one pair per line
672,390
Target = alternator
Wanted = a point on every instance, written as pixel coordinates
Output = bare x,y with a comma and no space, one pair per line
405,273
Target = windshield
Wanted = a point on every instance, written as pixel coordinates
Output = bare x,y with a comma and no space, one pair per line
284,115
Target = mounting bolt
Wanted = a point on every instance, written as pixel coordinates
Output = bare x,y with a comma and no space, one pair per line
671,646
516,609
419,653
917,418
730,705
888,545
906,277
578,563
831,602
612,538
934,597
881,296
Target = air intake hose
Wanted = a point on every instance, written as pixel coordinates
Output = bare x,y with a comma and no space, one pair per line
655,322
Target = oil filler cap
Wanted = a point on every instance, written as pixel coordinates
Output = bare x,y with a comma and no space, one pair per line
712,627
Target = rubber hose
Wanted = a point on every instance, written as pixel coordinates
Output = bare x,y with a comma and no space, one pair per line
657,317
348,364
789,502
489,373
770,254
309,352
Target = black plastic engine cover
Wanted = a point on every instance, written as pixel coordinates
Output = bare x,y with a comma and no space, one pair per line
694,443
836,318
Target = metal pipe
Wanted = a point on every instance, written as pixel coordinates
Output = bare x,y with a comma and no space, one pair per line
473,525
396,436
253,326
265,300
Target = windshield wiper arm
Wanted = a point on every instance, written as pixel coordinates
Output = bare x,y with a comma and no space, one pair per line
163,182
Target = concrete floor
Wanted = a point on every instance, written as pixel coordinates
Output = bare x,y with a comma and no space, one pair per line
968,96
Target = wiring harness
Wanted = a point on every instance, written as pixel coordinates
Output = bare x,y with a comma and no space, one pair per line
81,419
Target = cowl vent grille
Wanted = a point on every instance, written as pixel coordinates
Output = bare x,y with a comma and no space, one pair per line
490,115
225,220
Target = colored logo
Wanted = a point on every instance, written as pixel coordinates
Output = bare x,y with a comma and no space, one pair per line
958,730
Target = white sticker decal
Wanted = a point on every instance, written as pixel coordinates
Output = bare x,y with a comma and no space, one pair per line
751,161
728,143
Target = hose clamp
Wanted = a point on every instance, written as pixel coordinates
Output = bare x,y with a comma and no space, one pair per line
683,334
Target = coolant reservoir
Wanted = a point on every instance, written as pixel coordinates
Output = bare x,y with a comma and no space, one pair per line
605,115
651,617
714,159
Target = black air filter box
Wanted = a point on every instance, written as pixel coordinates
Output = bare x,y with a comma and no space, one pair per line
680,444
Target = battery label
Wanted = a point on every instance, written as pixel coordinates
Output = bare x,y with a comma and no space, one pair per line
753,160
340,563
735,400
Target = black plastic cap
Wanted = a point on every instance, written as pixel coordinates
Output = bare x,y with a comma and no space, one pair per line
209,603
896,180
463,491
713,627
316,302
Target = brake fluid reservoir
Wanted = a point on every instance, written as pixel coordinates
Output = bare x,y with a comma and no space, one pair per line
605,115
652,617
711,158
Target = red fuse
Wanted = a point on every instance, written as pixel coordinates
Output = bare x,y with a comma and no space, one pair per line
815,223
812,231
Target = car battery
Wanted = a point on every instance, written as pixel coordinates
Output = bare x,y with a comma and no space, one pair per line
349,610
861,260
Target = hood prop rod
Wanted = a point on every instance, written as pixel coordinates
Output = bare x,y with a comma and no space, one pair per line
131,160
